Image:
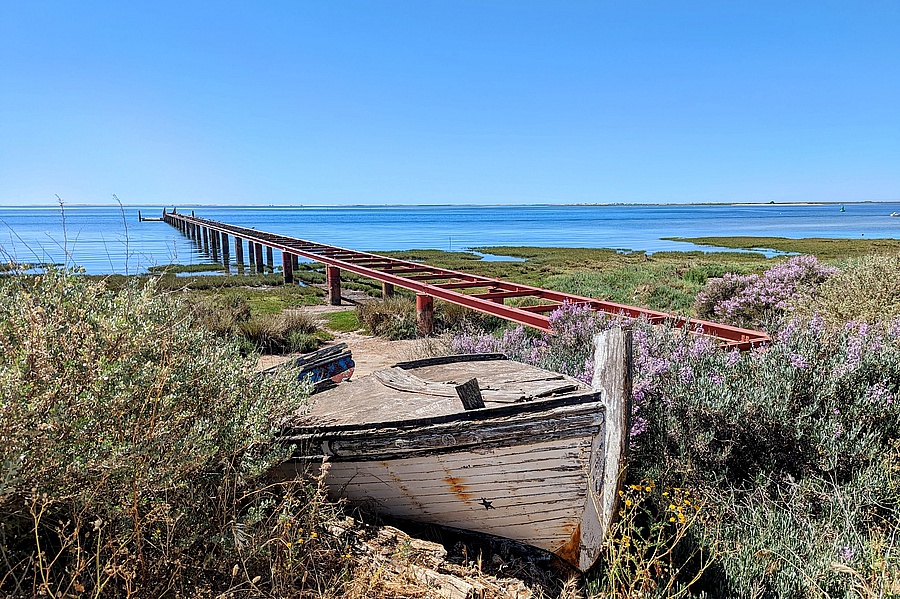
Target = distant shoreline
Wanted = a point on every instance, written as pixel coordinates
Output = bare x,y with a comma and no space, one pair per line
55,206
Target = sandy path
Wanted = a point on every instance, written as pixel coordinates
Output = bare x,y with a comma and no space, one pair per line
370,353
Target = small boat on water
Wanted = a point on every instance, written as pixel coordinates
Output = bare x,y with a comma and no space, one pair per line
895,213
479,443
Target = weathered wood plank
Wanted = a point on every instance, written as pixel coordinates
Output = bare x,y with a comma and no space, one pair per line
441,360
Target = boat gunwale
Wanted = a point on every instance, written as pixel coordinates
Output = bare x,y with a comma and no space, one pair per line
292,434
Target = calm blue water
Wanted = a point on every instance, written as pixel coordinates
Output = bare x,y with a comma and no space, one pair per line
103,240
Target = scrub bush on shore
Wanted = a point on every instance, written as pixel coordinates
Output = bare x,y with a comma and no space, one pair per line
133,452
769,473
749,300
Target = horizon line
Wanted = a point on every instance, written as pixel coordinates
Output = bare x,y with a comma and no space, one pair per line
56,205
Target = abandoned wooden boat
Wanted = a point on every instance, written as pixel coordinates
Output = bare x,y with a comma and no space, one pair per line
537,458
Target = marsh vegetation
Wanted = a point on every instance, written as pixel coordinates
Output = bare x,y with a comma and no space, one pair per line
135,435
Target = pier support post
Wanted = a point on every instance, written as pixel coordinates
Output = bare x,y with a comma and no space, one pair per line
333,280
205,240
251,253
295,261
214,244
425,314
287,266
259,259
387,291
270,259
239,251
226,251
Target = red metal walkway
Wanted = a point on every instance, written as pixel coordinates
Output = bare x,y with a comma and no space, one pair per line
484,294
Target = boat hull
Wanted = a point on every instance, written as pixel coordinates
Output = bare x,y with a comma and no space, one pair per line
532,477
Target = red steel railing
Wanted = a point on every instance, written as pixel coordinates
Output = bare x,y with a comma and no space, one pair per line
483,294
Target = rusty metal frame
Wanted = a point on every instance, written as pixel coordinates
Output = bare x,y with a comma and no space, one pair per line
392,270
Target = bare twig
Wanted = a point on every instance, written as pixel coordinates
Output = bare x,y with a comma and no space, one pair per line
125,225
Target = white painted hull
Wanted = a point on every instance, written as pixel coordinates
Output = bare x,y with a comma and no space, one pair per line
533,493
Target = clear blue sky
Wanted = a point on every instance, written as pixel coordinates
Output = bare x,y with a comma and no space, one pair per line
422,102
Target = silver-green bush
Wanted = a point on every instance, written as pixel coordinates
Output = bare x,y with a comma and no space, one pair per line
133,446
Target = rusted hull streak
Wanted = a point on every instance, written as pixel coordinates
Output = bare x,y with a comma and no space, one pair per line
414,276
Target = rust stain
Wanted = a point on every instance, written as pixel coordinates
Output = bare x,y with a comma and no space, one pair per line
571,551
458,487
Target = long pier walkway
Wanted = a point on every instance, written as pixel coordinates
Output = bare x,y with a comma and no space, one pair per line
484,294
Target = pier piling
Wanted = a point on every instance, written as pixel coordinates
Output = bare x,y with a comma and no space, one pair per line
259,258
425,314
333,282
287,265
239,251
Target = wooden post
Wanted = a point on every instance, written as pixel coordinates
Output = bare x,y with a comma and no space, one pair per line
270,259
214,244
295,261
226,259
259,259
287,265
251,253
205,240
333,282
387,291
612,378
425,314
239,251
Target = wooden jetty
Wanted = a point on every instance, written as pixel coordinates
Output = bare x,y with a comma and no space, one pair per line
479,443
483,294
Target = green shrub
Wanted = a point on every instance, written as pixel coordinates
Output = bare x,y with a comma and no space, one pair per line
133,447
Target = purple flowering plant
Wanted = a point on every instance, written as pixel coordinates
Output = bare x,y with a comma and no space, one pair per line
751,300
808,425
